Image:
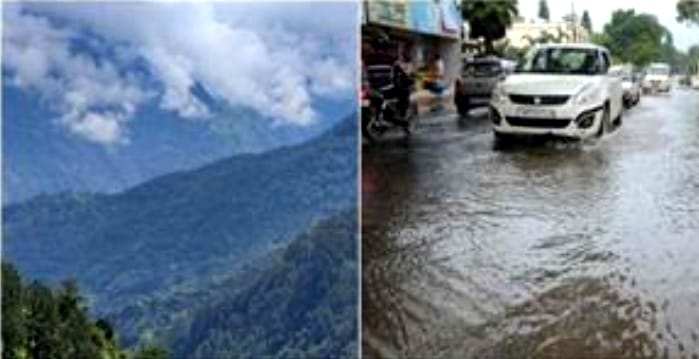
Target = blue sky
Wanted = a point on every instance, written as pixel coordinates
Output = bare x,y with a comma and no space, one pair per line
95,64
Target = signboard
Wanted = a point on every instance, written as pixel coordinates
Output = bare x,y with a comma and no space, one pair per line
431,17
451,17
424,17
388,12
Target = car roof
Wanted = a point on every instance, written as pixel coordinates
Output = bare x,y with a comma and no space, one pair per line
587,46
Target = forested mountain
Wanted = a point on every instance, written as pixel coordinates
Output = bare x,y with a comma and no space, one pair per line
302,306
153,256
42,157
43,322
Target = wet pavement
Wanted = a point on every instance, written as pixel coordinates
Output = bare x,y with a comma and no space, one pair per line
535,249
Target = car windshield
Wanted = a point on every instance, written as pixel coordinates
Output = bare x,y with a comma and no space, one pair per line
482,69
560,61
659,71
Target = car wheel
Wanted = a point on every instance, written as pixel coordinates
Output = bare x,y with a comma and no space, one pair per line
619,119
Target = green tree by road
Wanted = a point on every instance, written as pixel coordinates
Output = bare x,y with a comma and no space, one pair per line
489,19
634,38
688,11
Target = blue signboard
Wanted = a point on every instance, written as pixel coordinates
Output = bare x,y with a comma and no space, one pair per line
424,17
451,17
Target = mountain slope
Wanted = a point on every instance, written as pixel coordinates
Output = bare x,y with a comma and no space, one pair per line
42,157
184,229
302,306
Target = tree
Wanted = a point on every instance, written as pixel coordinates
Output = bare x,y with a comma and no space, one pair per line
545,37
688,11
635,38
586,22
151,352
43,322
544,10
489,19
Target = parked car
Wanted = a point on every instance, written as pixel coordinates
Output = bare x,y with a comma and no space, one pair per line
558,89
694,82
657,78
477,81
630,83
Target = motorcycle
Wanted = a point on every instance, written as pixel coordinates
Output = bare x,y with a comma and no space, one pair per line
380,112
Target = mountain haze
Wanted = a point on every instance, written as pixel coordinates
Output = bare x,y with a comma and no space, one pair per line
185,228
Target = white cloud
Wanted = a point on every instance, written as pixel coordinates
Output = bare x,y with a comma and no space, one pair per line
99,127
276,60
39,58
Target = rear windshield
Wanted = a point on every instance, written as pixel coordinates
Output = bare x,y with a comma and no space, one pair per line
482,69
660,70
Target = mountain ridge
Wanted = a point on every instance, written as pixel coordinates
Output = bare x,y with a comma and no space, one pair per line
152,232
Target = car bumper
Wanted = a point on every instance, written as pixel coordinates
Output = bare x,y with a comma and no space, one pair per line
659,86
570,121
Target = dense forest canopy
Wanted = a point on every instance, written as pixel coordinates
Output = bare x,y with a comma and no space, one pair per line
43,322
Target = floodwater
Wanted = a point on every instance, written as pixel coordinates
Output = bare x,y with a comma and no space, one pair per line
540,249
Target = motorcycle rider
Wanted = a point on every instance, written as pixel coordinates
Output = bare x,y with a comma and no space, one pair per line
398,86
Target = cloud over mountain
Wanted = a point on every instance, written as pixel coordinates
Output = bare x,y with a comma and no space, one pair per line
95,64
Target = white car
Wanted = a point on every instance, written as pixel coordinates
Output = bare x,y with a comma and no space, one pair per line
559,89
631,86
657,78
694,82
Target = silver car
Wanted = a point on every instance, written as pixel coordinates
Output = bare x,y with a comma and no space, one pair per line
478,79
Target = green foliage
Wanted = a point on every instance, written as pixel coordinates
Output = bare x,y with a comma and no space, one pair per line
545,37
634,38
41,322
586,22
302,306
510,52
688,11
183,245
151,352
181,232
489,19
692,60
544,10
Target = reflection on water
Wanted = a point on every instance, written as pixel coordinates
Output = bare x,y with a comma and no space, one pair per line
538,249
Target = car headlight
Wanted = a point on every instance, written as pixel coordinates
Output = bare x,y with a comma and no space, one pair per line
499,94
589,94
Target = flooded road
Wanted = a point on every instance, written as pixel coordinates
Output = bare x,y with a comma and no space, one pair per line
542,249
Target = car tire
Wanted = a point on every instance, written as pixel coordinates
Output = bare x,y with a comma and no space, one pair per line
619,120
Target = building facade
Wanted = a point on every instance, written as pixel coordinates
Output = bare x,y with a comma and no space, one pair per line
523,34
420,28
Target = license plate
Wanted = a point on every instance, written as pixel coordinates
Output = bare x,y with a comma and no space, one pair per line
536,112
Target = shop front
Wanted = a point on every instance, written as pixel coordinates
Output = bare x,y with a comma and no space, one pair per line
422,29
